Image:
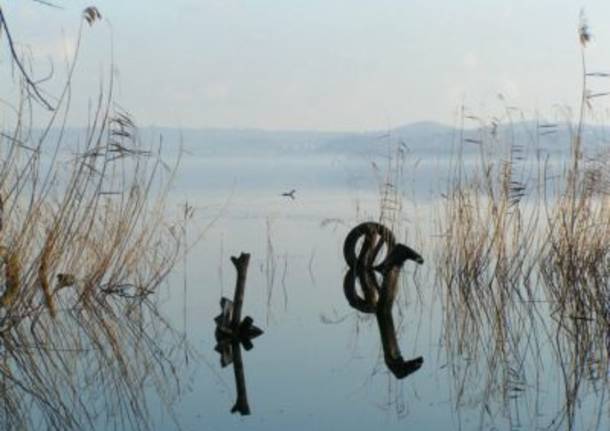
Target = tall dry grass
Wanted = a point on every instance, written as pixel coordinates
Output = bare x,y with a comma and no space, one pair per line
85,243
524,260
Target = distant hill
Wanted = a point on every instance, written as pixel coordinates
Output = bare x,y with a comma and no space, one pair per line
424,138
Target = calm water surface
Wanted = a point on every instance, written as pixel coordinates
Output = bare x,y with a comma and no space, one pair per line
319,363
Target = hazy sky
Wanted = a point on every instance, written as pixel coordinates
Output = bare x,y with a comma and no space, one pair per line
318,64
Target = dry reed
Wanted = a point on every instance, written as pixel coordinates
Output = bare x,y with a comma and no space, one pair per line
86,243
523,261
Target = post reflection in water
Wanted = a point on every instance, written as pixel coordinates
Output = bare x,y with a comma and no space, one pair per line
376,298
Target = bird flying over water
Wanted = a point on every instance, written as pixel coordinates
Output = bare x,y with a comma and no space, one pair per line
289,194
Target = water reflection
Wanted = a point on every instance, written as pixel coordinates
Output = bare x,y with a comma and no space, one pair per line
95,365
230,353
378,296
538,351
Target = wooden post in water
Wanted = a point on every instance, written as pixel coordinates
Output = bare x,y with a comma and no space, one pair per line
241,265
378,299
232,332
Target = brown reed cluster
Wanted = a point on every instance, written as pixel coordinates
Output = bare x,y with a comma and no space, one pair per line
523,260
85,243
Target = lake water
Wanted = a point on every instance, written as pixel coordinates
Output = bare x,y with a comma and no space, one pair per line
319,363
